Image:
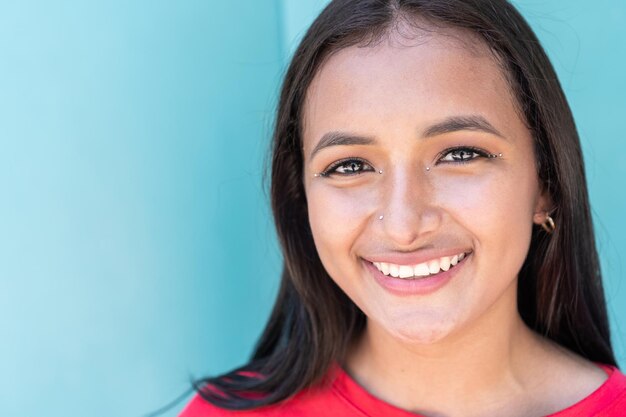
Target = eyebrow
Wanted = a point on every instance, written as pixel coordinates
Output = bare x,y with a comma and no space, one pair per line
449,125
339,138
456,123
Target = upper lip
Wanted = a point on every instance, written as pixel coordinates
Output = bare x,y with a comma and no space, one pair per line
414,258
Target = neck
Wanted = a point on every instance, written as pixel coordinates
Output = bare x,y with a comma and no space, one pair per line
457,375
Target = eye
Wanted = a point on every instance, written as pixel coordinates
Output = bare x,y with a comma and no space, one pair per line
461,154
347,167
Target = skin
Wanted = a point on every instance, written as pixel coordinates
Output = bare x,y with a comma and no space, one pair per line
463,349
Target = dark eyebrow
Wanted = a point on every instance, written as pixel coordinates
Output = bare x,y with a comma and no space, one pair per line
449,125
338,138
456,123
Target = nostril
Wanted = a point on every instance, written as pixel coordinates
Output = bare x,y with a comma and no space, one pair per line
406,225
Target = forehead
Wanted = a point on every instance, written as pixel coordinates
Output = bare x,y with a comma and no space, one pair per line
419,79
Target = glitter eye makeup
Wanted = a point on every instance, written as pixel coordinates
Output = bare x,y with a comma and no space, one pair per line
455,155
464,154
347,167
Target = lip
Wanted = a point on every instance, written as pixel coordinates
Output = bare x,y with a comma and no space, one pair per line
417,258
415,286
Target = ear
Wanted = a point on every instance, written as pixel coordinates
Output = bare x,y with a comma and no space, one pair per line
543,207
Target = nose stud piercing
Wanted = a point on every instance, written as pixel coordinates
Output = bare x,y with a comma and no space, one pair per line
380,217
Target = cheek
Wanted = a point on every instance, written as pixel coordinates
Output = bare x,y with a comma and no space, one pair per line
337,218
497,209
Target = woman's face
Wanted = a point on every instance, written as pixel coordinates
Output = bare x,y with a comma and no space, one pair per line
421,183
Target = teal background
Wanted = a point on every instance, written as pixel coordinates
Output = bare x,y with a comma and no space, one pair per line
136,247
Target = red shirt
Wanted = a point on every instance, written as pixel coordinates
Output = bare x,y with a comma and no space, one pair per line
344,397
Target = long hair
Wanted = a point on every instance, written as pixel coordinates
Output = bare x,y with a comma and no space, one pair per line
560,292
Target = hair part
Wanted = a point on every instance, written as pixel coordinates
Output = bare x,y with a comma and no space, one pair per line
560,293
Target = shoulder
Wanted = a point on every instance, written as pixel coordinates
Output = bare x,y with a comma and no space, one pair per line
607,400
317,401
610,399
566,381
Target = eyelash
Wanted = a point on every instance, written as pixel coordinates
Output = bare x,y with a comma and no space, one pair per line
480,153
345,162
475,153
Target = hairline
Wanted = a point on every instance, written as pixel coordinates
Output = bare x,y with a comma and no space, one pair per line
419,26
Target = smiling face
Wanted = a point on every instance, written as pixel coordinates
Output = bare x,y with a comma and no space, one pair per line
415,158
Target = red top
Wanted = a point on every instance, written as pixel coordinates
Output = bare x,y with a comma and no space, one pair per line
344,397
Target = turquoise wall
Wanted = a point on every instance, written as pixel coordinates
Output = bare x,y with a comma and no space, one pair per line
585,41
136,248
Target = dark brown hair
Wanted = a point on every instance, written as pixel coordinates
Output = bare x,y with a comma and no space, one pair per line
560,292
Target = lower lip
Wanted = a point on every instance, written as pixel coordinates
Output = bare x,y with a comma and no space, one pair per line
415,286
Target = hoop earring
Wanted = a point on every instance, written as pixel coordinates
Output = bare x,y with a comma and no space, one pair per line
548,225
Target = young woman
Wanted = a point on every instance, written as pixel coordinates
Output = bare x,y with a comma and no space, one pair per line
429,195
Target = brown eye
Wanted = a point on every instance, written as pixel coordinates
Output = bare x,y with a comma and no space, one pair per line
461,155
347,167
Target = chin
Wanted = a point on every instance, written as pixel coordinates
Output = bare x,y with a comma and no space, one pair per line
425,337
422,333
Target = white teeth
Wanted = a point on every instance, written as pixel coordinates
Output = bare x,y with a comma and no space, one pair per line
405,271
421,270
444,263
431,267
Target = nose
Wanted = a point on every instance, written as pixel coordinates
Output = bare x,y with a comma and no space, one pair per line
409,207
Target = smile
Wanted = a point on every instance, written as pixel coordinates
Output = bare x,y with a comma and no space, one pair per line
424,269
